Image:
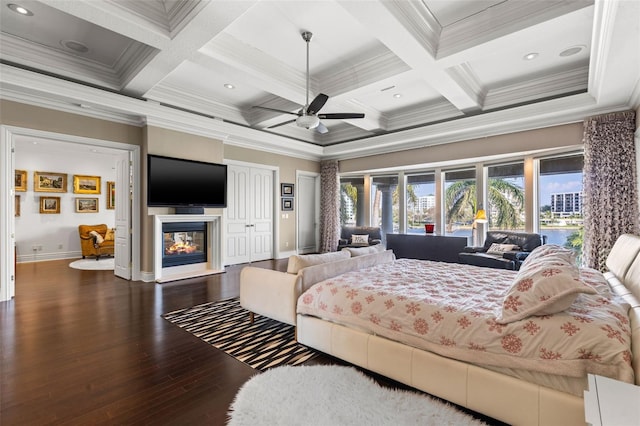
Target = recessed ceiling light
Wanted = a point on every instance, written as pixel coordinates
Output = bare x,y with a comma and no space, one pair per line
76,46
530,56
229,86
397,95
19,9
571,51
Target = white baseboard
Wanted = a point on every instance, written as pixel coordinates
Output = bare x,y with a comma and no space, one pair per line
42,257
147,277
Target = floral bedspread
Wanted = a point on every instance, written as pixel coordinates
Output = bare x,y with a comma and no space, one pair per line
451,310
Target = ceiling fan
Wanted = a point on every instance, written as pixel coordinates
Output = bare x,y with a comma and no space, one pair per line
309,116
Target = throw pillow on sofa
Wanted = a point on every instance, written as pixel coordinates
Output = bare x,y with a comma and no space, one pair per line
501,248
360,239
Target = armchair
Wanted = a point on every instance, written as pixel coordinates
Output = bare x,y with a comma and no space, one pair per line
511,259
96,240
374,236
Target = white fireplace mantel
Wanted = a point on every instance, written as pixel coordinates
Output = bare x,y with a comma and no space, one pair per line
213,265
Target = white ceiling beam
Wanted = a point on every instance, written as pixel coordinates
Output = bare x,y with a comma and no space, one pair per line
408,30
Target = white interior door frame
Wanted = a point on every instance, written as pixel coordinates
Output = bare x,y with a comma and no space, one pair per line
316,213
276,205
7,221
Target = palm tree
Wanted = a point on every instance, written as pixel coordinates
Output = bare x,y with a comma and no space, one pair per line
574,242
506,200
348,191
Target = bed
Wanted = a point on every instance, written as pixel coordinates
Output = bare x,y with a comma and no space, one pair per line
471,336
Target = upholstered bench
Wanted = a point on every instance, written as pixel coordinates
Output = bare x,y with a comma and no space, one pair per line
274,294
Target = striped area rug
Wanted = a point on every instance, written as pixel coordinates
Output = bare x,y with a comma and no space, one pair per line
225,324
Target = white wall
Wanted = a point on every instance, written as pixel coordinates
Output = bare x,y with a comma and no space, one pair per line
58,233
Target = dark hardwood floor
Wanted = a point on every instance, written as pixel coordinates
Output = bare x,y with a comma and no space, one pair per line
85,347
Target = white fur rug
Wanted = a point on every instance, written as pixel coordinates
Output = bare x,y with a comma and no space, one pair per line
91,264
334,395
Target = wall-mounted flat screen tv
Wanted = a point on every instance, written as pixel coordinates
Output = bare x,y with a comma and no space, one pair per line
175,182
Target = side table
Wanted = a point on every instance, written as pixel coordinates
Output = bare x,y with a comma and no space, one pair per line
610,402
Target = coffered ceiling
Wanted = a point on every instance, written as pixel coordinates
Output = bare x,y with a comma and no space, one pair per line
421,72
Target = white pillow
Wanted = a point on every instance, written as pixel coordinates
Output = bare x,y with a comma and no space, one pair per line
98,237
501,248
543,287
360,239
360,251
299,261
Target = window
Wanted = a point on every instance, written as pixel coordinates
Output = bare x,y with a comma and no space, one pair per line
385,203
459,201
351,198
505,197
560,200
421,202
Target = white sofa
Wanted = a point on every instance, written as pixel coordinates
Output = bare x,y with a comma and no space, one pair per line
274,294
497,395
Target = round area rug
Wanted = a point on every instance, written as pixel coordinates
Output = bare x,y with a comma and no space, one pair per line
104,264
334,395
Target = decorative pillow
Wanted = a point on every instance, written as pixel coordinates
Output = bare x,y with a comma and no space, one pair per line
501,248
360,239
97,236
544,287
110,235
554,251
360,251
300,261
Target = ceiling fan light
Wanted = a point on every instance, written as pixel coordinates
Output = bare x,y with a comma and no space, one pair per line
308,121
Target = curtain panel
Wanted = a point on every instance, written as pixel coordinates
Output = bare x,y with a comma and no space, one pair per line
329,205
610,197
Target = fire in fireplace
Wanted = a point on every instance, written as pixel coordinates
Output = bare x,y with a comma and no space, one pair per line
184,243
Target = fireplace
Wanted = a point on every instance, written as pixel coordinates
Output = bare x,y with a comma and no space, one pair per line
184,243
186,246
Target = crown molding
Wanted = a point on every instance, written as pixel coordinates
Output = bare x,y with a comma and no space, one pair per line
57,61
416,17
368,70
500,20
415,115
557,84
554,112
72,108
175,96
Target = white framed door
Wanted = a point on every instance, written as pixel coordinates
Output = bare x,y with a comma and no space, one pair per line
308,212
123,200
249,216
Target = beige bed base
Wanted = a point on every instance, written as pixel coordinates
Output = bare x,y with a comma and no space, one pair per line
497,395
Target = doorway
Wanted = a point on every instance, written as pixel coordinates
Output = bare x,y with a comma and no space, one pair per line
128,257
308,212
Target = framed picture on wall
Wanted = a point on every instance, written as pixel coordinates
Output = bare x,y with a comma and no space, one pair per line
286,189
50,205
17,206
49,182
21,180
111,195
86,184
287,204
86,205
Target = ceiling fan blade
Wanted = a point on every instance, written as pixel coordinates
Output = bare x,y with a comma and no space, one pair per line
282,124
321,128
317,104
277,110
341,115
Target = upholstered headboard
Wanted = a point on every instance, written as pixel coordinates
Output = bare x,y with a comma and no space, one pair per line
623,263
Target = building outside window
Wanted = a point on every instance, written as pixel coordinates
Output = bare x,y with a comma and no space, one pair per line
351,199
421,201
560,200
